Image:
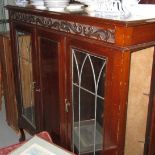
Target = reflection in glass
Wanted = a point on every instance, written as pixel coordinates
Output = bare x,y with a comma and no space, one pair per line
25,75
88,78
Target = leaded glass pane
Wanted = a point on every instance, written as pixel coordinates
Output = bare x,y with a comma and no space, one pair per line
88,74
25,74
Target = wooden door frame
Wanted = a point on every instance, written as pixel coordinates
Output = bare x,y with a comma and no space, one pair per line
15,26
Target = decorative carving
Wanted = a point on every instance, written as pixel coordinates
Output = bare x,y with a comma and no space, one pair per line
107,35
27,18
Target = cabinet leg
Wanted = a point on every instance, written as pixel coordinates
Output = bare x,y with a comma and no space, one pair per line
22,135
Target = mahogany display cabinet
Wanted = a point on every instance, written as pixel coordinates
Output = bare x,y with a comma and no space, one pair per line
88,81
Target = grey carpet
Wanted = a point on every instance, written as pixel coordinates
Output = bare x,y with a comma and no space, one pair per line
7,135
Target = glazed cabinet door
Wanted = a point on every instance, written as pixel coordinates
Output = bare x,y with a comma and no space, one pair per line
25,67
92,101
51,51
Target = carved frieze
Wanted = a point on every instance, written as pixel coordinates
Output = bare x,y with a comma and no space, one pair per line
107,35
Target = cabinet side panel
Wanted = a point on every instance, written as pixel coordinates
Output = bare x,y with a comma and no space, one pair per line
138,99
8,81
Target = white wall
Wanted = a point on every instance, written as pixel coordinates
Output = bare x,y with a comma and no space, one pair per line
10,2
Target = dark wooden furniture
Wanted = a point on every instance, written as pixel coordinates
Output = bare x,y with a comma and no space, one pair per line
147,1
8,80
75,76
1,86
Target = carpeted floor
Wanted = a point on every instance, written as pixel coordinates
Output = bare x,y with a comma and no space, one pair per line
7,135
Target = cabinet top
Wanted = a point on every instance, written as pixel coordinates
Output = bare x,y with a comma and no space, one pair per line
139,17
119,32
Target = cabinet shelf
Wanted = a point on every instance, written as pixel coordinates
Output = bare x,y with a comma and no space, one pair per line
85,143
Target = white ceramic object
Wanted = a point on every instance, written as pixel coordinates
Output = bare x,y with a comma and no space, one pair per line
56,5
40,7
111,9
103,8
142,11
56,9
75,7
128,3
37,2
21,2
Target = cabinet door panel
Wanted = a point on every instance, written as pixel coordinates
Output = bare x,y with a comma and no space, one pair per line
26,78
50,50
26,74
87,101
94,114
